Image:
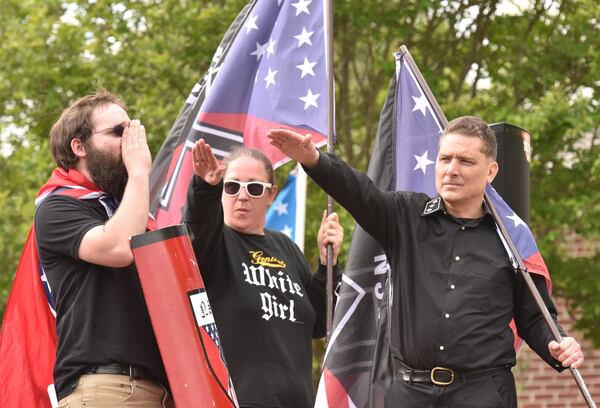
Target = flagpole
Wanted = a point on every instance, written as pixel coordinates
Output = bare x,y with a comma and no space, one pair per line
521,265
328,27
538,299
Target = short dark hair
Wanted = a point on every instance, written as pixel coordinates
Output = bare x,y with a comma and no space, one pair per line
255,154
474,127
75,122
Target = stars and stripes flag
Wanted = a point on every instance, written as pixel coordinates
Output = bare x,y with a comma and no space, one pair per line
357,370
269,71
287,213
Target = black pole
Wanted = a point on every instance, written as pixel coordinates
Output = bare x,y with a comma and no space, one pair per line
521,266
328,23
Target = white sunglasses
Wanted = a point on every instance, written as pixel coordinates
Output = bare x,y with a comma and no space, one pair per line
254,189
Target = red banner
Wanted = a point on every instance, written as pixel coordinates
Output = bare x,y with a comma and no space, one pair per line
182,319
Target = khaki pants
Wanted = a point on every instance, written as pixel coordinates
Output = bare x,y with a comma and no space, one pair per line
111,390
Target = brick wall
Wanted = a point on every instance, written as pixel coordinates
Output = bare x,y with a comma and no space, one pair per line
539,386
576,246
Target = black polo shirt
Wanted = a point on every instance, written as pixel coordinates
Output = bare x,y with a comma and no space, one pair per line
454,291
101,315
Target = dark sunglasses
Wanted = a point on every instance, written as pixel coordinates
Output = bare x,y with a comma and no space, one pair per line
116,130
254,189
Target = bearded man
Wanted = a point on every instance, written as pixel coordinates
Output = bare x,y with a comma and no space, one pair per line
95,200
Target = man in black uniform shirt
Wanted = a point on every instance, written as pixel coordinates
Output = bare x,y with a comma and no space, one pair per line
453,288
94,202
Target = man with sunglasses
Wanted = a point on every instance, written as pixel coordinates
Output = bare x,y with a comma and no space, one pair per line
267,304
95,200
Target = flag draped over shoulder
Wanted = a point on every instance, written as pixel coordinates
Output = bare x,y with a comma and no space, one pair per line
269,71
287,213
357,370
28,337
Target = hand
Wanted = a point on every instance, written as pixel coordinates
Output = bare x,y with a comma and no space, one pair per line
295,146
330,232
206,165
134,150
568,352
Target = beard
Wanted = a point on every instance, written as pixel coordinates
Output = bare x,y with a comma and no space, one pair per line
107,170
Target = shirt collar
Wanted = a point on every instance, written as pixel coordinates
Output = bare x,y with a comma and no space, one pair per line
436,204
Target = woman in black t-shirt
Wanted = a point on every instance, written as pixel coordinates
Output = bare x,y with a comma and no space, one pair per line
267,303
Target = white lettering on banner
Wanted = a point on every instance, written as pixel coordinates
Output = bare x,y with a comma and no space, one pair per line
261,276
271,307
201,308
381,267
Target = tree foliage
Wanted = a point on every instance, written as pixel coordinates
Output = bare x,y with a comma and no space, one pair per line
534,66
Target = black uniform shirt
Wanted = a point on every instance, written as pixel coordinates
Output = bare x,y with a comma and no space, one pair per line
454,290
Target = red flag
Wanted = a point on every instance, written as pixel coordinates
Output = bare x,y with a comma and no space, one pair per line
28,337
178,303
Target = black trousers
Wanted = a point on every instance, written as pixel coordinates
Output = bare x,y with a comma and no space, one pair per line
495,390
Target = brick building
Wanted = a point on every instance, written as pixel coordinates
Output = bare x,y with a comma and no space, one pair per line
539,386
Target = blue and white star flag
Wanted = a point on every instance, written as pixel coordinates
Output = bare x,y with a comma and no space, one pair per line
269,72
288,212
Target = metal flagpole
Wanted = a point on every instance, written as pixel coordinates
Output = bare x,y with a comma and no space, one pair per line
521,266
328,28
538,299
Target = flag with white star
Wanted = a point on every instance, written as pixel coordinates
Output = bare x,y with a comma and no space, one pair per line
287,213
268,72
355,374
204,315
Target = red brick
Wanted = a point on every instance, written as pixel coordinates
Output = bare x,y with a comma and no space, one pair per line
539,386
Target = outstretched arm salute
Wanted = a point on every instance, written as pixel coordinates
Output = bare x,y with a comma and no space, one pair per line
295,146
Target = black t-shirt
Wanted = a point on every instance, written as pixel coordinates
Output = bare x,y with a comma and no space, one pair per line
267,304
101,315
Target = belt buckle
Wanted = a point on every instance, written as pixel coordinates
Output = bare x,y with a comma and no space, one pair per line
442,383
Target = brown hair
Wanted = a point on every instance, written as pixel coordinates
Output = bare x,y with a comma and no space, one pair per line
255,154
474,127
75,122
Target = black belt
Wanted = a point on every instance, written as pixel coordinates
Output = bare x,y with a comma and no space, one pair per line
120,369
442,376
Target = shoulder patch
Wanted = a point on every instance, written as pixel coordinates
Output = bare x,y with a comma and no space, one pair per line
432,206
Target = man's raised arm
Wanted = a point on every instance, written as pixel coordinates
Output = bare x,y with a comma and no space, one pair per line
296,146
